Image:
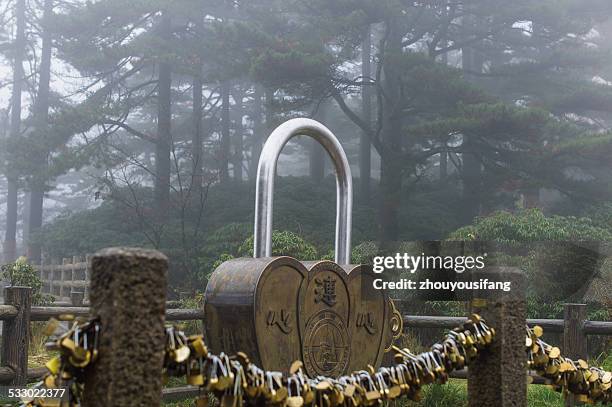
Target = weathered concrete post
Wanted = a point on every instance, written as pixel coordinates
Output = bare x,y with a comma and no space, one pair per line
16,333
128,294
574,339
498,377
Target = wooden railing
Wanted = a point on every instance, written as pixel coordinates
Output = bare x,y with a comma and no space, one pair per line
17,314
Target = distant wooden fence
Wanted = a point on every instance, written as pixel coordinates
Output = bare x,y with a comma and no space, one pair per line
64,280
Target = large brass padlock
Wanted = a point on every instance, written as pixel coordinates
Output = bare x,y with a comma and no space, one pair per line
278,309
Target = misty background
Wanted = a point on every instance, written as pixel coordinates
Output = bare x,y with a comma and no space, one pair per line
141,123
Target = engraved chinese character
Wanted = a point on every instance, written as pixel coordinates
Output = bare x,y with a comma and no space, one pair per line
326,291
281,319
366,320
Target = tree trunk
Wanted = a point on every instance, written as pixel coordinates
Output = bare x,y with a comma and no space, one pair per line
224,153
444,154
163,145
316,161
258,132
391,162
238,134
196,140
10,239
41,115
261,130
316,153
365,156
471,61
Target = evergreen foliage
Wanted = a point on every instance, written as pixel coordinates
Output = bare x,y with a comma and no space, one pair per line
512,97
533,226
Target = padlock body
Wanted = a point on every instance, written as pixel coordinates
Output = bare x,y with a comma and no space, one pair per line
251,306
278,310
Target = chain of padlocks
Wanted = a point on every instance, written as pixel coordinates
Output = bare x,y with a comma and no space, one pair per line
589,383
235,381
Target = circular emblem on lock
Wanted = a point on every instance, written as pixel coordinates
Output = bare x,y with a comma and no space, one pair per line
326,344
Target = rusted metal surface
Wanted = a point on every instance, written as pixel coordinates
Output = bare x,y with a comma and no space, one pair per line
251,306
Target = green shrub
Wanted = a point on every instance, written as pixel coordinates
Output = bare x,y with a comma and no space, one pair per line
220,245
561,255
284,243
364,253
20,273
196,302
532,225
600,214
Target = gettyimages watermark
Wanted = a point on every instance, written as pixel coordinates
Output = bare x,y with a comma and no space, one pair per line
407,263
460,270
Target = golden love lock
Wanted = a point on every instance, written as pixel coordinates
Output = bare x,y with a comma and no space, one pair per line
279,309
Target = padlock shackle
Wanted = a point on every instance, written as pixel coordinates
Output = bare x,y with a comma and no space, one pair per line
266,172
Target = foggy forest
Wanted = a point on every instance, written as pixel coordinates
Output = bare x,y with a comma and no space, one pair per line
141,124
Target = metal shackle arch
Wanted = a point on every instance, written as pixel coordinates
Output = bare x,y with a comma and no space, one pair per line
264,192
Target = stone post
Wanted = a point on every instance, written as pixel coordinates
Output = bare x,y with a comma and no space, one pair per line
128,294
499,376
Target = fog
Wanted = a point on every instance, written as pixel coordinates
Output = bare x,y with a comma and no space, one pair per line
142,123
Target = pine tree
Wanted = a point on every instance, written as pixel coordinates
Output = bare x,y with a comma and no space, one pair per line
39,156
416,94
19,46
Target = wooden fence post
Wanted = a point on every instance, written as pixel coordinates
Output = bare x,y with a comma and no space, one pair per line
128,294
65,266
50,276
499,377
87,276
76,298
15,333
41,271
73,271
574,339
